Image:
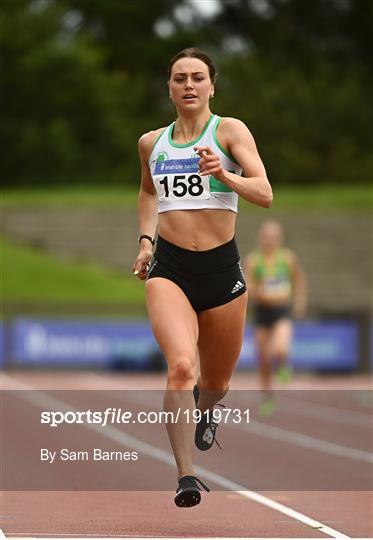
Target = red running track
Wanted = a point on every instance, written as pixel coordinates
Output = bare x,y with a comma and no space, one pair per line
307,436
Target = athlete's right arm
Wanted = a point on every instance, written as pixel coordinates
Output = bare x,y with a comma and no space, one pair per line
147,205
299,281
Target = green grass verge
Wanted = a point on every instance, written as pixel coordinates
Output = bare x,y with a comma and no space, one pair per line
325,198
70,196
30,275
354,197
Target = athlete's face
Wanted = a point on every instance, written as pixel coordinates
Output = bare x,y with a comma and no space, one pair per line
270,236
190,85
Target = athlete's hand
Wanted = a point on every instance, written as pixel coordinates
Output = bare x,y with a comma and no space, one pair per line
209,163
141,264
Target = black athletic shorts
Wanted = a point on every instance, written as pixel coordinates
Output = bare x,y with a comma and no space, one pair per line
208,278
268,315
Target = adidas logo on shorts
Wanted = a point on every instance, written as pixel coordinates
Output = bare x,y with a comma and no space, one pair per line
237,287
152,265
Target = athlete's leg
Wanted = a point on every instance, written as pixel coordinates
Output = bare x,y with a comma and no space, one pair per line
221,331
175,327
282,335
263,338
281,343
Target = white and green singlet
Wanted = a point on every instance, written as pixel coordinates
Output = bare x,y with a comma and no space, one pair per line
174,169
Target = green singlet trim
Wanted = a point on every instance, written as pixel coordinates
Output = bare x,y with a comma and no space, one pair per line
189,143
218,187
157,139
229,155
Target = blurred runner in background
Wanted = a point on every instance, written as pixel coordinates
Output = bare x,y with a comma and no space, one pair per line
278,293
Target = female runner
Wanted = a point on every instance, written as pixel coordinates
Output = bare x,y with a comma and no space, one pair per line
278,290
192,174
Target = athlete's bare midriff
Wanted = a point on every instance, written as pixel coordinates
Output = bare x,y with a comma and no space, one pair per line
197,230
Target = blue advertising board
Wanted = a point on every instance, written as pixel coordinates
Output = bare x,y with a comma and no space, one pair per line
63,342
316,346
131,345
2,344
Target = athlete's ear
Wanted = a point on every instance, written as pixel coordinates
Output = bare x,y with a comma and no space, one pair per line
212,92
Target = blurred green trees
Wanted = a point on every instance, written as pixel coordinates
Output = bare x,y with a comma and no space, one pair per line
81,80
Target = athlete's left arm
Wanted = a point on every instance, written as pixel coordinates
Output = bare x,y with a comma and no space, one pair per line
253,186
299,282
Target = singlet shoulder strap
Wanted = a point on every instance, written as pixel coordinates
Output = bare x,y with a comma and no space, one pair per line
159,137
216,140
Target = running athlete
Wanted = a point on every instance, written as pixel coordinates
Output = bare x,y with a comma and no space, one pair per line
192,173
277,289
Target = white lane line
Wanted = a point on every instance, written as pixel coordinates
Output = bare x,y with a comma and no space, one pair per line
72,536
266,430
305,441
289,403
161,537
92,378
324,412
2,535
43,400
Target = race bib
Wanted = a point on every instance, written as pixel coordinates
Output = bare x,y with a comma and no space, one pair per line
178,179
276,287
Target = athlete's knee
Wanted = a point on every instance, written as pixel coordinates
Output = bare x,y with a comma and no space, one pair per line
264,359
281,353
181,370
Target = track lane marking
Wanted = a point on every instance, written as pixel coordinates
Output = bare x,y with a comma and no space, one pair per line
44,400
167,537
274,432
303,440
126,537
307,408
324,412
